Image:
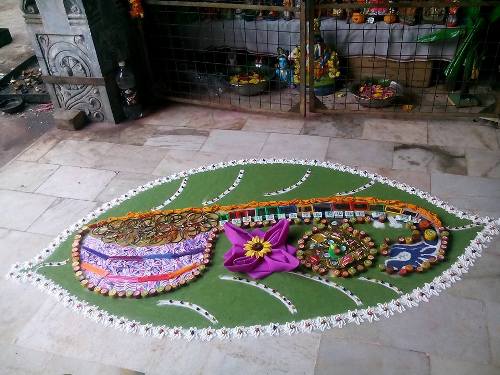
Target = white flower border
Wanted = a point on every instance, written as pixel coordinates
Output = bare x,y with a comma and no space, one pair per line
22,272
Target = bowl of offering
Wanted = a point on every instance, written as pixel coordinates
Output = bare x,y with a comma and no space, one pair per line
249,83
377,93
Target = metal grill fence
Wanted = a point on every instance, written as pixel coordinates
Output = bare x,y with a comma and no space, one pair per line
376,57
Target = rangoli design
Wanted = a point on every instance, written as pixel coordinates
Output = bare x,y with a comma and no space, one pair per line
334,250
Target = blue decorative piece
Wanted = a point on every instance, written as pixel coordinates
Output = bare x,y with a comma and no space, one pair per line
284,71
401,255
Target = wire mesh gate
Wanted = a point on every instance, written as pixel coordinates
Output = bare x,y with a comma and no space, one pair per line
376,57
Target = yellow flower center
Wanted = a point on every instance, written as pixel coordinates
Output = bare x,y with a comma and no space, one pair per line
257,247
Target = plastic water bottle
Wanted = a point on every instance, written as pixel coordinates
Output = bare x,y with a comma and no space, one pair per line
125,80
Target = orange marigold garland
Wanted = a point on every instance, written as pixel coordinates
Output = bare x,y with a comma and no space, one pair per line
136,9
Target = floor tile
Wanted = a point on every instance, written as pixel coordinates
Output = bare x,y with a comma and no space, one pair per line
238,142
493,319
273,124
337,127
134,133
76,153
174,115
95,131
121,183
129,158
339,356
76,183
361,153
179,160
19,209
17,246
282,355
20,132
483,163
495,352
25,176
53,329
41,146
418,179
483,206
465,134
223,119
217,119
478,288
19,360
446,326
430,158
177,142
24,301
295,147
161,130
440,366
75,366
62,214
449,186
138,134
399,131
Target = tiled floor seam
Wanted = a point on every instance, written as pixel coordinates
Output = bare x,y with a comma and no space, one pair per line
26,149
317,354
264,143
54,204
50,175
488,342
77,166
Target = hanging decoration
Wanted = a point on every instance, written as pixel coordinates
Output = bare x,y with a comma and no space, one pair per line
136,9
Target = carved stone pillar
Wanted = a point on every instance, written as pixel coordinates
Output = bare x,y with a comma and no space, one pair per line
78,44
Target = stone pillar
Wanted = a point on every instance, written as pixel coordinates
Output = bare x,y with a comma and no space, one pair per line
78,44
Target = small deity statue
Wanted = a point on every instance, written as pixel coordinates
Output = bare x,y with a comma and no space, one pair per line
297,5
287,15
452,19
408,16
391,16
284,71
336,12
295,59
433,15
326,64
260,15
258,62
273,15
232,59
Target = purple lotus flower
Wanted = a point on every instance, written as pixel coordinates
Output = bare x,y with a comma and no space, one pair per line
259,253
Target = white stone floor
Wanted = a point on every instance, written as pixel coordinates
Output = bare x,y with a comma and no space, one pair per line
64,175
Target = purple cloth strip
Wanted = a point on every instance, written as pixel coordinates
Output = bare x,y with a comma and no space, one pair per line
128,258
135,258
96,253
122,278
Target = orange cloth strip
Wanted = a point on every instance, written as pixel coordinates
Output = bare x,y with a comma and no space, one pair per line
167,276
141,279
94,269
